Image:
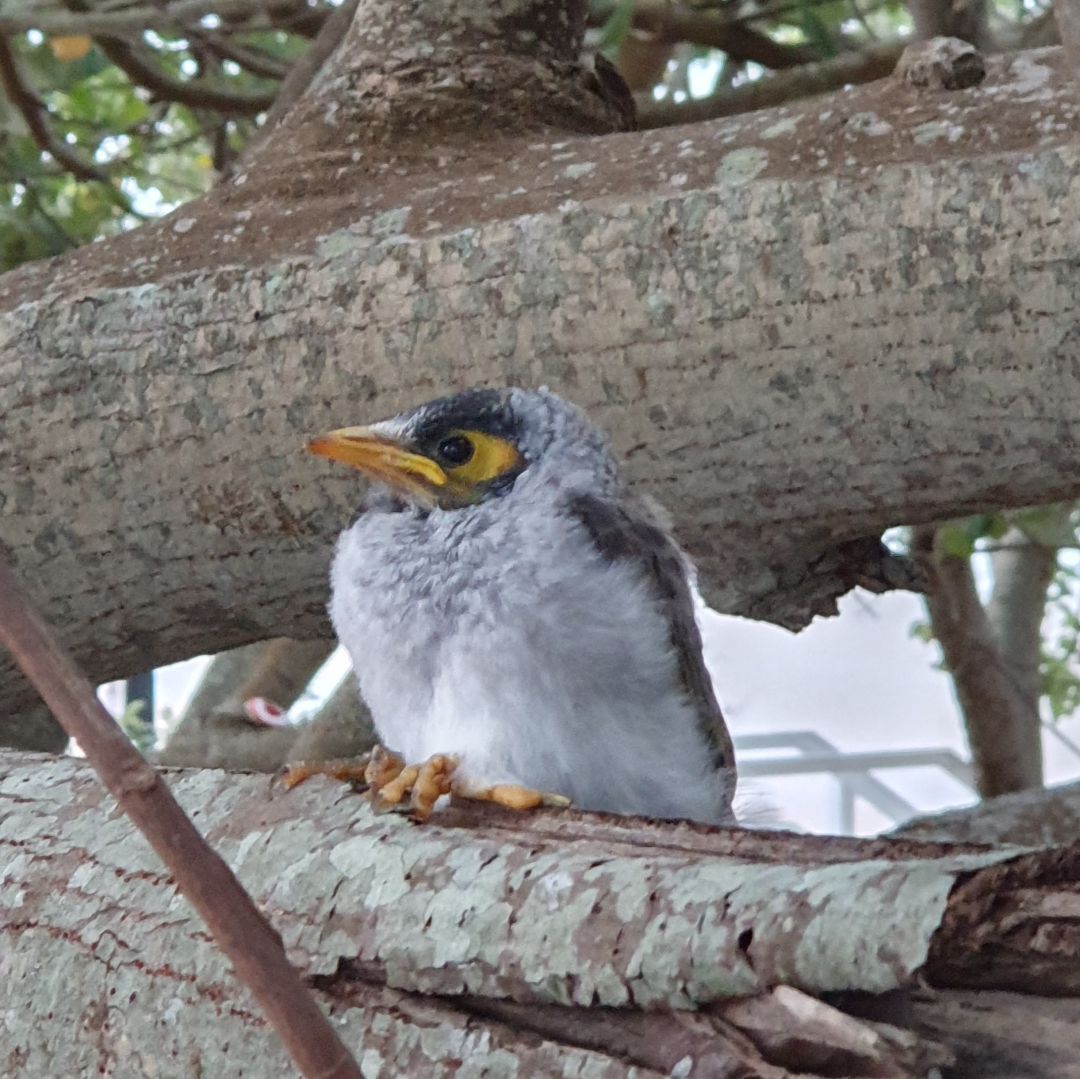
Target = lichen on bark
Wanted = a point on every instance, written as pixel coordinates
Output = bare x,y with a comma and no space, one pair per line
406,932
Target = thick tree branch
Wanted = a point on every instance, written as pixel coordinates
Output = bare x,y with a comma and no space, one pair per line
1022,575
966,21
1029,818
769,335
243,934
994,654
1067,15
482,909
216,730
33,728
342,727
307,67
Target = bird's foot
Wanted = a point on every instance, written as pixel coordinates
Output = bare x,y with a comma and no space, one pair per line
415,788
386,775
345,770
392,780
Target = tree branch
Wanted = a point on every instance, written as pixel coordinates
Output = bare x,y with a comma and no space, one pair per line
240,929
567,908
829,365
1015,611
256,61
867,65
216,731
999,720
197,95
676,23
15,18
306,67
967,21
1029,818
1067,16
35,115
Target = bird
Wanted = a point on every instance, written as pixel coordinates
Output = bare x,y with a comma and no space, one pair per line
521,625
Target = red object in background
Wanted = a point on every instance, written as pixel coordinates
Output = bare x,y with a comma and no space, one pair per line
265,713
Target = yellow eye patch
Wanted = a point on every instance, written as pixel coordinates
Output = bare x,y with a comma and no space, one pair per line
490,458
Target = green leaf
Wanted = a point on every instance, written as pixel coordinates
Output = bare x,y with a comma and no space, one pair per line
1047,525
816,32
138,730
956,541
617,26
996,526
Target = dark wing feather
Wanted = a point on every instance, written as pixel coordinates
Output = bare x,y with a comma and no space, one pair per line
623,535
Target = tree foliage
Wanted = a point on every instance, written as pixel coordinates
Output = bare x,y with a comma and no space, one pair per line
112,113
98,133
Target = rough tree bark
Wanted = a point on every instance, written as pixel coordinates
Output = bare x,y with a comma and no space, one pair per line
866,65
966,20
489,939
1067,16
34,728
239,929
850,301
1030,818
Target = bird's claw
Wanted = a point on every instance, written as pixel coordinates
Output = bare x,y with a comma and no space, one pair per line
512,796
391,780
413,789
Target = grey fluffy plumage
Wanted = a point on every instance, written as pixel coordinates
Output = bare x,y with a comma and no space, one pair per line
544,633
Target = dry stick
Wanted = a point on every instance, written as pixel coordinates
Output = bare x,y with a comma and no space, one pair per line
243,934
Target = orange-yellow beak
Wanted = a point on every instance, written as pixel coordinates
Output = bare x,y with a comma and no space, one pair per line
381,458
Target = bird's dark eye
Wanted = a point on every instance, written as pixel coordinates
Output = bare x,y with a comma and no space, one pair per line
455,450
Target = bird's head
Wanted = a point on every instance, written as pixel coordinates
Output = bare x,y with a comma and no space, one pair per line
464,449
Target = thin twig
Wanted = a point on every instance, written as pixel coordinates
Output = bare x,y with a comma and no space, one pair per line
16,18
35,115
253,60
672,24
874,62
193,94
35,202
248,940
308,65
256,61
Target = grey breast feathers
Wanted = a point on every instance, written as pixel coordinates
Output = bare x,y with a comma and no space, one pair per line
627,533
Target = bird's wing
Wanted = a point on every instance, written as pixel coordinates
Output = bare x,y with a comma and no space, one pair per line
625,535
